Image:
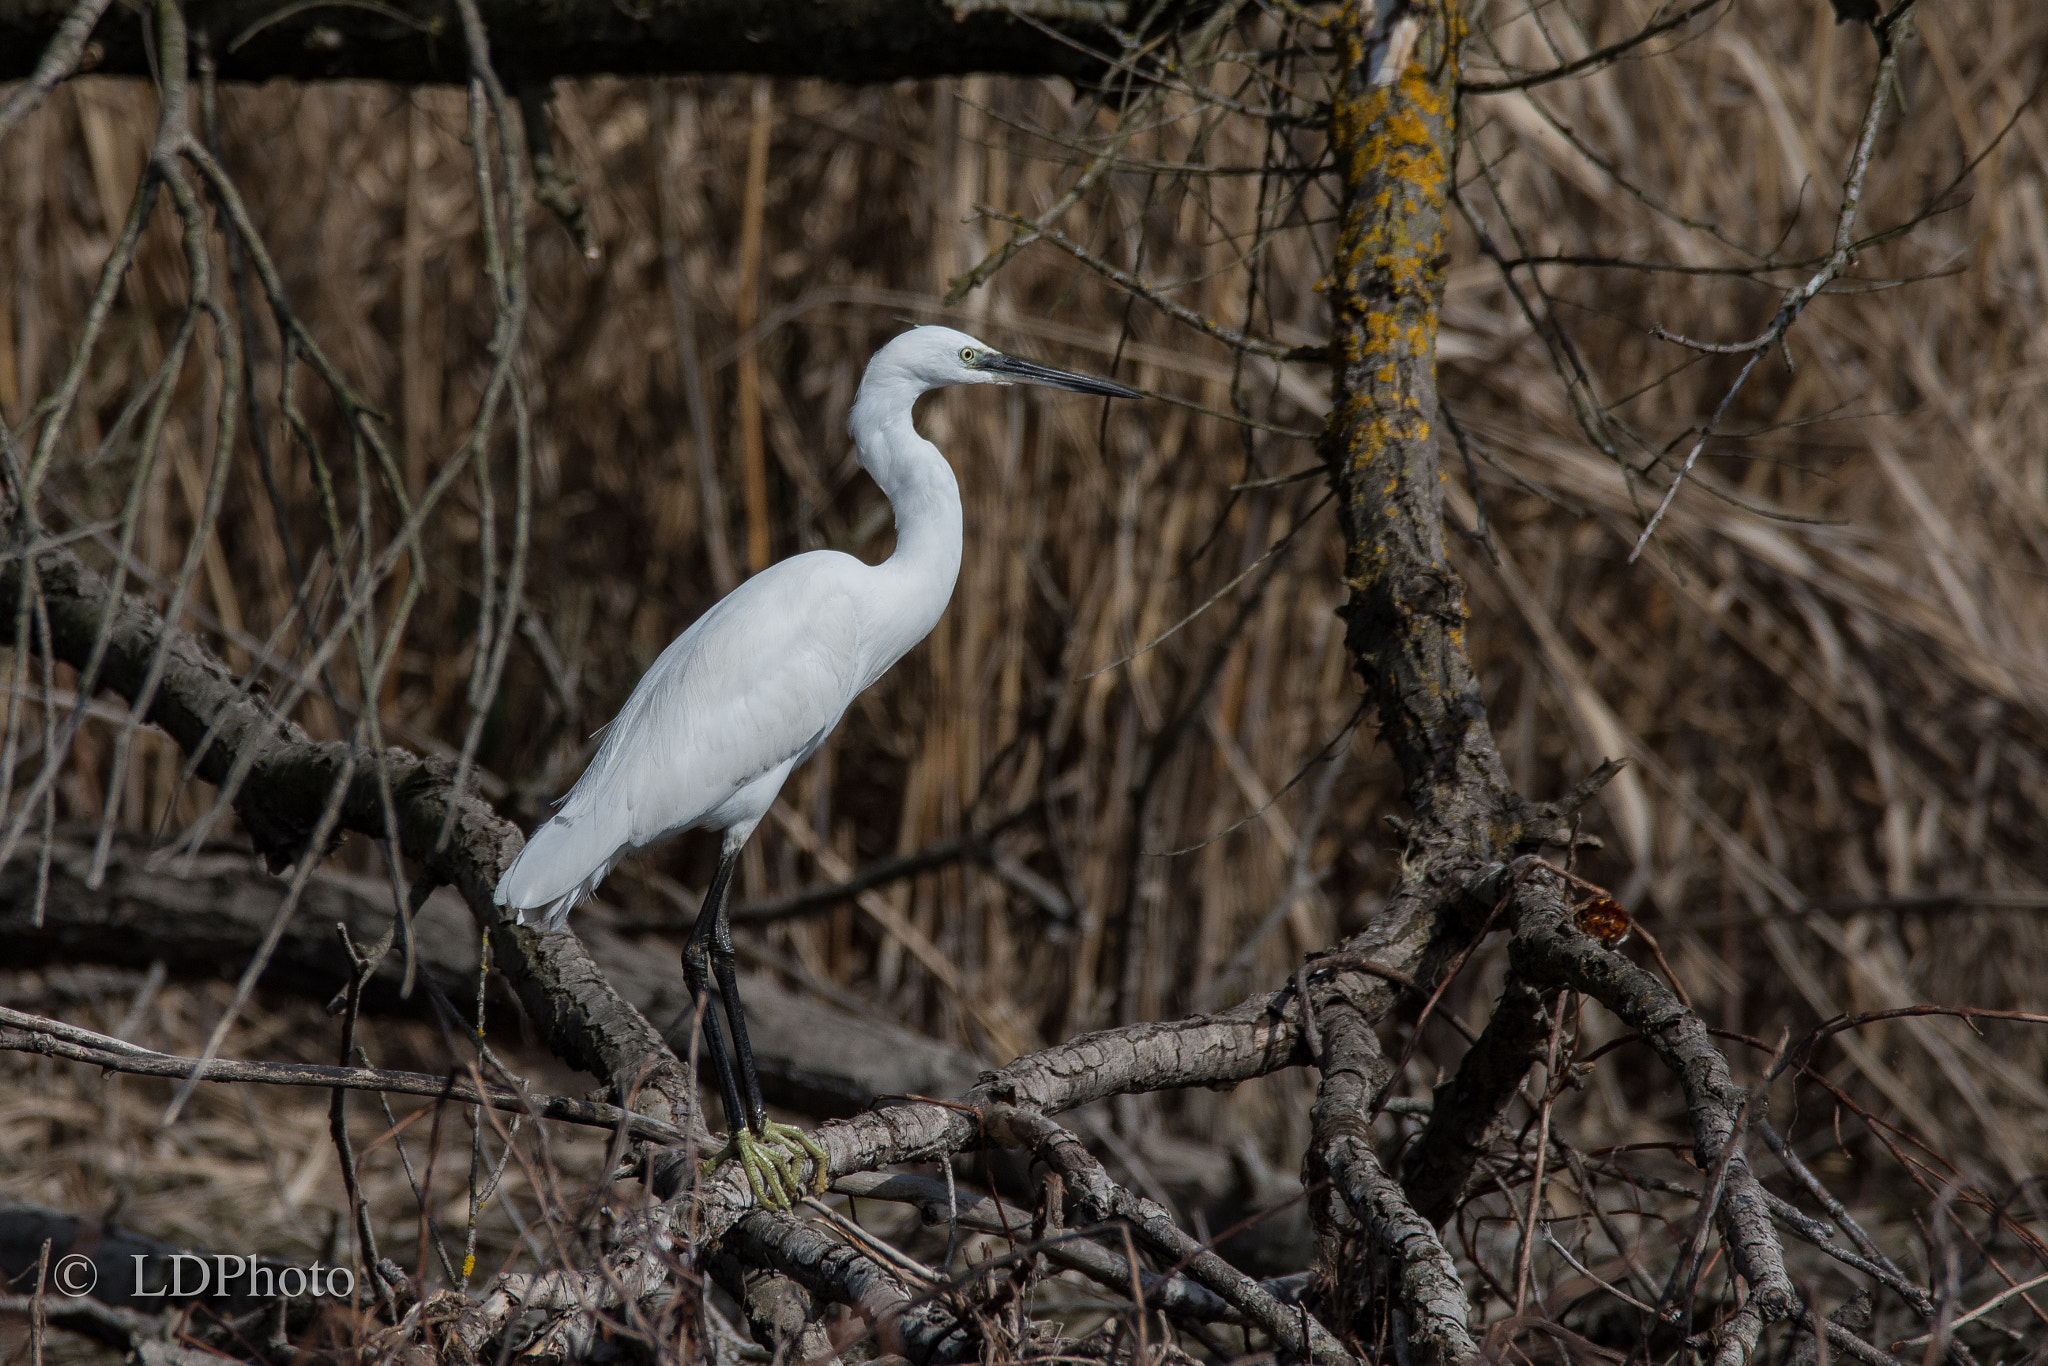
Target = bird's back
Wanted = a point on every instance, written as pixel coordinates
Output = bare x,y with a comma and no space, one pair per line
753,686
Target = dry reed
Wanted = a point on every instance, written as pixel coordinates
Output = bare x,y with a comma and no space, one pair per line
1831,667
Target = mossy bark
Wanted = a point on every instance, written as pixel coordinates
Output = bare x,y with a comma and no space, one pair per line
1392,135
1392,139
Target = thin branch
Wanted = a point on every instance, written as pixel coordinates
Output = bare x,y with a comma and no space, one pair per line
1594,60
1131,284
1796,300
59,60
24,1033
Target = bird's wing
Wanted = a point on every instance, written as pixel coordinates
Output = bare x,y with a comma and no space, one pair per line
753,684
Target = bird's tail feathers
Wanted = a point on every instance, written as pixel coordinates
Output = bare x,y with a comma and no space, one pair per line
552,917
560,866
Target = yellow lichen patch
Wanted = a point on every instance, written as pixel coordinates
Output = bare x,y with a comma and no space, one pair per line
1385,287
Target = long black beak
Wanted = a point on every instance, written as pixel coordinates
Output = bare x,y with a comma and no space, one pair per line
1030,372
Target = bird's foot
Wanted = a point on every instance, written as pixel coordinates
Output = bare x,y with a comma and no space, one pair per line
770,1160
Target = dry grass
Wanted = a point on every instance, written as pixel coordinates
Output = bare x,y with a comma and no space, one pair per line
1831,666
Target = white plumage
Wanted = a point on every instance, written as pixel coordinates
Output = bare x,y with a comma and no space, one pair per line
731,706
755,685
752,689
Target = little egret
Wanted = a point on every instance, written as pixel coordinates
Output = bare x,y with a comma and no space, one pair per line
752,688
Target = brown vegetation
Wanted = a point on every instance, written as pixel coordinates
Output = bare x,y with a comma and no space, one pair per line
1140,719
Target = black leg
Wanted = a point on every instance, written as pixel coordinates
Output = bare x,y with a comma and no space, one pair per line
771,1154
696,954
735,1014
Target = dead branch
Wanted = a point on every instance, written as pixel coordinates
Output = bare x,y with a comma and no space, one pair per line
1101,1200
201,707
1795,300
1174,1296
409,44
1470,1103
1592,61
60,58
23,1033
1430,1289
207,913
1545,948
922,1328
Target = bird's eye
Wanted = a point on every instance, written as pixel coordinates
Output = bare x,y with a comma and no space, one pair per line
967,355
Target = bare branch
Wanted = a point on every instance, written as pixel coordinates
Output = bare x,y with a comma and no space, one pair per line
1470,1103
1546,949
25,1033
1795,300
60,58
1131,284
1594,60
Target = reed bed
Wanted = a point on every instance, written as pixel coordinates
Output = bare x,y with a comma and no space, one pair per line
1829,668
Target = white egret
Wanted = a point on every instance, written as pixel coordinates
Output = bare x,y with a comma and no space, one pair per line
753,687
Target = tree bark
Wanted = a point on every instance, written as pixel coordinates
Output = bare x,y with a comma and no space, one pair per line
287,780
207,920
415,42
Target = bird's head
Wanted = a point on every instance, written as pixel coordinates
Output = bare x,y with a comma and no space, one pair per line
937,356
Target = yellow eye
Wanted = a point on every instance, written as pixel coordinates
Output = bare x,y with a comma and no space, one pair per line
967,355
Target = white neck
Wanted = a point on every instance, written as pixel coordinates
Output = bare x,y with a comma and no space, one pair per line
925,498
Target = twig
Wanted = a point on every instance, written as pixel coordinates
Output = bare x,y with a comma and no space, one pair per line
1551,1086
1131,284
31,1034
1795,300
1594,60
360,968
2012,1293
1277,547
58,61
38,1312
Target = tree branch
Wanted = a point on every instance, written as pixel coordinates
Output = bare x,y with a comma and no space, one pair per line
24,1033
1391,136
413,42
202,708
1470,1103
61,53
1547,949
208,914
1354,1074
924,1329
1175,1296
